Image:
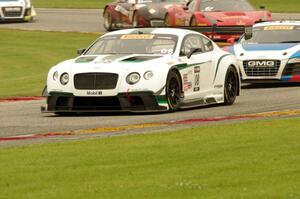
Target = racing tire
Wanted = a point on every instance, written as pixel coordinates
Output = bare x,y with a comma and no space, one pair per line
107,20
231,86
167,22
173,91
193,22
135,20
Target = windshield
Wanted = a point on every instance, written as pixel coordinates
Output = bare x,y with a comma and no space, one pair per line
134,44
225,5
274,34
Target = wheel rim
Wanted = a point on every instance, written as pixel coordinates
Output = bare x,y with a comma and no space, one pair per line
231,85
173,92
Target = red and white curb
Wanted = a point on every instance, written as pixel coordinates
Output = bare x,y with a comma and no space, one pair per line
149,125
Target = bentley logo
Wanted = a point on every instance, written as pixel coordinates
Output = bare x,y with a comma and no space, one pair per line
261,63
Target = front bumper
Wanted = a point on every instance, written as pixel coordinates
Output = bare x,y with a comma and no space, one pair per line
284,73
22,15
123,102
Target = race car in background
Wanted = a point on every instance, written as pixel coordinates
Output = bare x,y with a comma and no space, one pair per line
228,17
137,13
144,70
16,10
270,52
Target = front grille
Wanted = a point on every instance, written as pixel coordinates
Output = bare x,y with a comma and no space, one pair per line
261,71
95,81
12,11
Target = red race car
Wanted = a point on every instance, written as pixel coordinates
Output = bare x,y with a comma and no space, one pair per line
137,13
228,18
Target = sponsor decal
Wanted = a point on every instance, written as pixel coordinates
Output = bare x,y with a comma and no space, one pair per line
261,63
94,92
197,69
137,37
187,86
279,28
196,89
122,10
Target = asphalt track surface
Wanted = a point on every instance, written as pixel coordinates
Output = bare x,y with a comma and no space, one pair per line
24,118
81,20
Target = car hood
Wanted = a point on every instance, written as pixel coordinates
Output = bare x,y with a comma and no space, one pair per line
237,18
12,3
266,51
111,63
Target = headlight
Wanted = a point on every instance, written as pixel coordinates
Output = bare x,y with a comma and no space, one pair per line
148,75
133,78
55,76
152,11
294,60
64,78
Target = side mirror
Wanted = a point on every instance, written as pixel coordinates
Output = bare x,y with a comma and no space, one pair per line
80,51
231,41
248,33
193,51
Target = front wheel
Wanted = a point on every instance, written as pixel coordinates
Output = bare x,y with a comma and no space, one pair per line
231,86
173,91
107,20
135,20
167,21
193,22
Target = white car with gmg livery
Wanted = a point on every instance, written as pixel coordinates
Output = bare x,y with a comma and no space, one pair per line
144,70
16,10
270,52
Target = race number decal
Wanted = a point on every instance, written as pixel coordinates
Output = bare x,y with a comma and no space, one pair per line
197,79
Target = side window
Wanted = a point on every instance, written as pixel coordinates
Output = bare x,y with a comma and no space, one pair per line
191,42
208,46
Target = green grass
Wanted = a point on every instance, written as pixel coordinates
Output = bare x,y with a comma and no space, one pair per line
257,159
273,5
279,5
26,57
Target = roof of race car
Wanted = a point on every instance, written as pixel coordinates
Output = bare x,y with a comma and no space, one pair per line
278,23
171,31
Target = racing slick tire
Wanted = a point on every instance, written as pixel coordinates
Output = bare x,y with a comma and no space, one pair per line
173,91
167,22
231,86
107,20
193,22
135,20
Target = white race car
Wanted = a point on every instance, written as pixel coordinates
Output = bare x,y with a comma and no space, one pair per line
144,70
270,52
16,10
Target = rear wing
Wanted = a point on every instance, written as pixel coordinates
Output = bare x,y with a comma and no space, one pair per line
222,30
